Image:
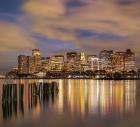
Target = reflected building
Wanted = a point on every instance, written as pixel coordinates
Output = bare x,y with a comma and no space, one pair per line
24,101
78,97
96,97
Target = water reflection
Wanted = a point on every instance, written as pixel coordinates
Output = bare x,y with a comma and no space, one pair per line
75,97
97,97
26,97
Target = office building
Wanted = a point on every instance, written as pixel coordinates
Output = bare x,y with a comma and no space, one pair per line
22,64
93,62
105,58
37,59
30,65
123,61
57,63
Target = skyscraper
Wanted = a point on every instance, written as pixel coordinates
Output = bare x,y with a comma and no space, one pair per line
118,61
130,60
37,59
57,63
93,62
73,61
30,65
22,64
124,61
83,58
46,64
105,58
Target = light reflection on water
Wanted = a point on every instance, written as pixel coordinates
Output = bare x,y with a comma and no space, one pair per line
98,97
82,98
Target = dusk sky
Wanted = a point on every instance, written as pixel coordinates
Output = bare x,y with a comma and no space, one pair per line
55,26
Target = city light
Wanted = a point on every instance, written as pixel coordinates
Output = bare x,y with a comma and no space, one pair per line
107,65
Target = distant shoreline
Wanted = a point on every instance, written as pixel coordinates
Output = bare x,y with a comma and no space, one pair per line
79,78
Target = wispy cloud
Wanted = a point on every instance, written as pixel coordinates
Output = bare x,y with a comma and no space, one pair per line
13,38
59,20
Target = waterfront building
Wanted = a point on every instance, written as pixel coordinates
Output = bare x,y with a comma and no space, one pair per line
30,65
46,64
123,61
82,58
57,63
71,61
130,60
37,59
83,62
93,62
22,64
105,58
74,60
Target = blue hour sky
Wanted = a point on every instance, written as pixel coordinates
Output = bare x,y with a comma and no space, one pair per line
55,26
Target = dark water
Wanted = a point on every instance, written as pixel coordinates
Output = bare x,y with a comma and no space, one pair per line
79,103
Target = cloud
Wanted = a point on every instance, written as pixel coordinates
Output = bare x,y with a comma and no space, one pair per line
106,17
102,16
13,38
47,8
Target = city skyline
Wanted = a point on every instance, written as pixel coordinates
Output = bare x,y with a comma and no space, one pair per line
54,26
64,54
106,61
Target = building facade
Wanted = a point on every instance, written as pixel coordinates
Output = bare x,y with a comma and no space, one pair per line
72,58
45,64
93,62
123,61
22,64
30,64
57,63
37,59
105,58
77,61
130,63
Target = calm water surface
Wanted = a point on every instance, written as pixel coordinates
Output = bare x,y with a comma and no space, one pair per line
79,103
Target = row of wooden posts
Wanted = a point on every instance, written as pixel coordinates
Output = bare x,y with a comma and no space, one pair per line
11,91
13,94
